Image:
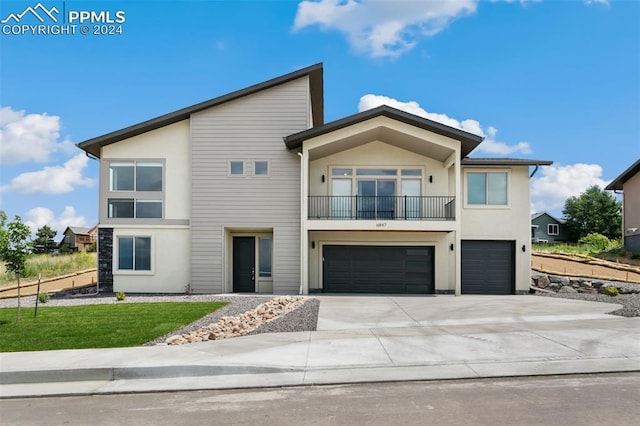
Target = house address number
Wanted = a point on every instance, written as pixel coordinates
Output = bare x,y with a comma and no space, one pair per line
381,224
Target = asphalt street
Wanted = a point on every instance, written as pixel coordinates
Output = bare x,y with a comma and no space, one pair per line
604,399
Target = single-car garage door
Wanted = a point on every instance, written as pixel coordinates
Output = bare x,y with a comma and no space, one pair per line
378,269
488,267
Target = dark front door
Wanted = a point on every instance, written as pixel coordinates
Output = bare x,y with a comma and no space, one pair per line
244,264
375,269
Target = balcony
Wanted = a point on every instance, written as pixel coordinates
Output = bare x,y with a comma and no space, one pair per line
405,207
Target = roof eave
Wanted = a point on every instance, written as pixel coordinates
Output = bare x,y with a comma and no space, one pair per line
469,140
618,183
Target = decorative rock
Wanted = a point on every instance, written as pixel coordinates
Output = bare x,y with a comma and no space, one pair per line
567,289
242,324
559,280
542,281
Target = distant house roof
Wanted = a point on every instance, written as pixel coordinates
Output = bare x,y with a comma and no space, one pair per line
534,216
469,140
78,230
93,146
625,176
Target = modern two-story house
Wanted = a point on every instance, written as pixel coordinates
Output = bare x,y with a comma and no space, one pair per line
253,192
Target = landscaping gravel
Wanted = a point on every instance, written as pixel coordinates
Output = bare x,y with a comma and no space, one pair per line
630,302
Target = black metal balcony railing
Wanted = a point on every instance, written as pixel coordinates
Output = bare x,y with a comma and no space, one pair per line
356,207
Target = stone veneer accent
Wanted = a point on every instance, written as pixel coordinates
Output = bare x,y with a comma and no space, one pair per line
105,260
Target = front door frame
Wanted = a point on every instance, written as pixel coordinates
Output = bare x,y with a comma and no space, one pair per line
261,284
237,288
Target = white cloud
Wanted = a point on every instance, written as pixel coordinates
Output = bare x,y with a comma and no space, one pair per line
40,216
558,182
29,137
382,28
52,180
605,2
490,144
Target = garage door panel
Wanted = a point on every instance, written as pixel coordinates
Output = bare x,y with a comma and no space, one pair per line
488,267
376,269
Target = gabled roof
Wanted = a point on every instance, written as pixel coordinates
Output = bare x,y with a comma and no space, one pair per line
93,146
504,162
78,230
534,216
625,176
469,140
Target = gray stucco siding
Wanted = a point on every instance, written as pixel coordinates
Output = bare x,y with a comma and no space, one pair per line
248,129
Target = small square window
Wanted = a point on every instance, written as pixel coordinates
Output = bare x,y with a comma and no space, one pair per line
261,168
553,229
236,168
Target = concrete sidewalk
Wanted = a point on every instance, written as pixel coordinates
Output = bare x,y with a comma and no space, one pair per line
359,339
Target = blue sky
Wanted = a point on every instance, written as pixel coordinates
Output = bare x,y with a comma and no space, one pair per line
552,80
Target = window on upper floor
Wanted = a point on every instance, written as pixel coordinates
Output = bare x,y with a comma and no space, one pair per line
236,168
135,176
553,229
261,168
133,208
487,188
136,188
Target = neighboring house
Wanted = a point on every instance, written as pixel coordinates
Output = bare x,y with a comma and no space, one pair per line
78,238
629,183
547,229
253,192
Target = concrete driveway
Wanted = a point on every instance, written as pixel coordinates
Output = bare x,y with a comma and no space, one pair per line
338,312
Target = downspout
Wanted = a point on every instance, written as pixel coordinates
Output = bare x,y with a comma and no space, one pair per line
534,171
302,182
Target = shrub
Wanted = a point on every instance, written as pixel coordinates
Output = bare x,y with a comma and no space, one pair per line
612,291
596,242
91,248
43,297
120,296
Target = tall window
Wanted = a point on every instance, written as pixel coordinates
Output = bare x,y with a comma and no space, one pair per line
265,255
487,188
134,253
139,185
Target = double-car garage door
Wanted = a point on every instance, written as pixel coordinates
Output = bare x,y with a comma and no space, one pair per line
487,268
378,269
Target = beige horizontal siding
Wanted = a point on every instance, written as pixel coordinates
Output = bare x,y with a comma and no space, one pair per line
247,129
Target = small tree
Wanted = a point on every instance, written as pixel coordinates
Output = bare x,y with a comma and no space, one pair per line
593,211
44,242
14,248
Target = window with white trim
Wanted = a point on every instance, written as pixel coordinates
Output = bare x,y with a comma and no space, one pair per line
134,253
487,188
261,168
236,168
553,229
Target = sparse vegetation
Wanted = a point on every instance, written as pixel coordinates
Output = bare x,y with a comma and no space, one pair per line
49,266
120,296
612,291
43,297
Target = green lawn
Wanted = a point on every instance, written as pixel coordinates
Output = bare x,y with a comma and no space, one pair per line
96,326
